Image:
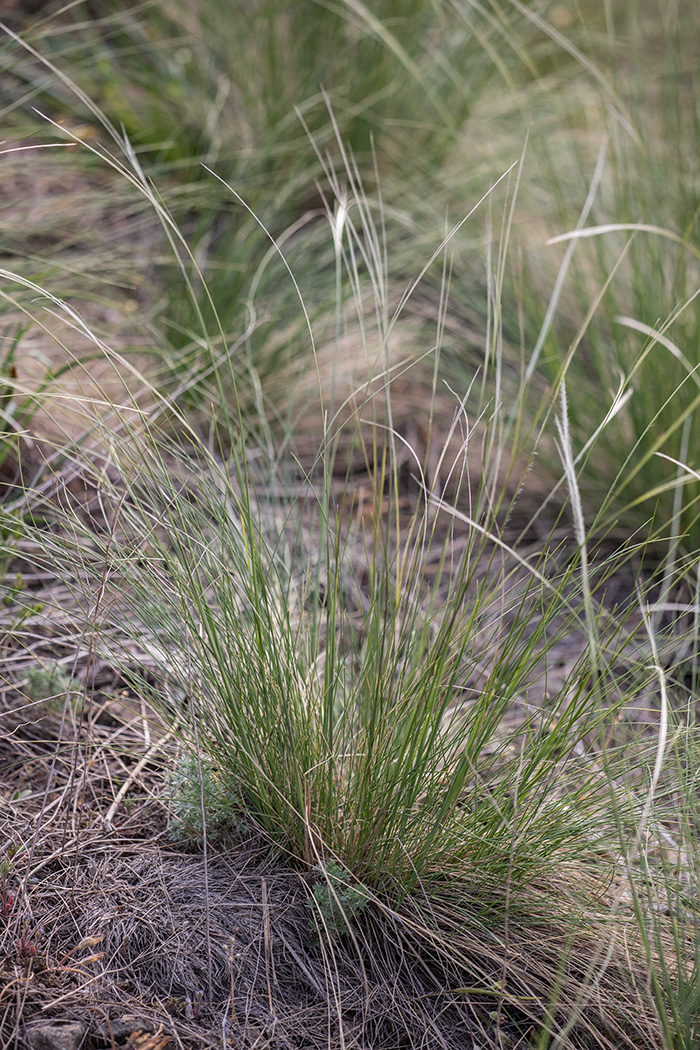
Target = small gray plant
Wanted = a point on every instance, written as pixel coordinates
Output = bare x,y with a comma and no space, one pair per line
335,901
47,681
187,793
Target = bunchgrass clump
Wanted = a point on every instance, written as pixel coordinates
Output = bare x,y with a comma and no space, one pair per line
376,695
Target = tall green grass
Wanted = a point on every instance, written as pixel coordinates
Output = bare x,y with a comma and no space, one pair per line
630,251
367,687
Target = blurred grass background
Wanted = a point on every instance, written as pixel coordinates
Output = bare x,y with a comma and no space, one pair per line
428,103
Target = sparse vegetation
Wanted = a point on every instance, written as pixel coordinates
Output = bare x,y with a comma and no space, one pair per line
350,485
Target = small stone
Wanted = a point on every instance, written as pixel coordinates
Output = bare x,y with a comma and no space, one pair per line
120,1029
66,1036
